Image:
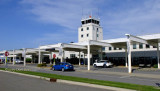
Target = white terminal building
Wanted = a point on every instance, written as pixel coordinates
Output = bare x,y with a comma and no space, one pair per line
128,51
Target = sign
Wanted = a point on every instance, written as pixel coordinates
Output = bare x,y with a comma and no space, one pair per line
6,53
54,55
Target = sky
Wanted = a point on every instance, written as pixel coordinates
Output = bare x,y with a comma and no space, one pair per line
31,23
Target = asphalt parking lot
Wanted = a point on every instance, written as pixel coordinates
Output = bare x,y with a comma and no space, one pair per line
13,82
99,76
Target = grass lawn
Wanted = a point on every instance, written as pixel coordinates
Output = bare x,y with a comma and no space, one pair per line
91,81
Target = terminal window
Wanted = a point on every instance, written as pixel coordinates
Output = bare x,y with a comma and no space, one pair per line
147,46
134,46
72,55
110,48
140,46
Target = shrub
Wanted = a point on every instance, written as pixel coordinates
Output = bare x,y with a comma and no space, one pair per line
39,65
28,60
51,65
42,65
155,66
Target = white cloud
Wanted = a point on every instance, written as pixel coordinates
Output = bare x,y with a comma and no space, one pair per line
140,17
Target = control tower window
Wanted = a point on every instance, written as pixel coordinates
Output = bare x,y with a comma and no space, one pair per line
97,22
86,21
93,21
87,28
89,21
83,22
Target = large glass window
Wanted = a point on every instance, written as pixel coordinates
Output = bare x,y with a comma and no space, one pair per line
134,46
89,21
115,48
103,48
147,46
154,47
83,22
97,35
97,30
140,46
72,55
110,48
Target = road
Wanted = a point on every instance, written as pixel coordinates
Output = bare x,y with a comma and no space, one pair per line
107,77
13,82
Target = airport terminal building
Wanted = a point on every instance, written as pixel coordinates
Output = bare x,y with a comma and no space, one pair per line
128,51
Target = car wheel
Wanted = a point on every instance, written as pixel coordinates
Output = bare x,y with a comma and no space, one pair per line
62,69
53,69
95,65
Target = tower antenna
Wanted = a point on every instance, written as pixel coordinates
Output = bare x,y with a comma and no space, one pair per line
82,13
98,13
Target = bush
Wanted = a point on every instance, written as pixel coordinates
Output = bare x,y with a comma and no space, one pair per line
28,60
155,66
42,65
51,65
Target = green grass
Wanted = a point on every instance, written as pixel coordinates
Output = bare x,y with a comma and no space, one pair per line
91,81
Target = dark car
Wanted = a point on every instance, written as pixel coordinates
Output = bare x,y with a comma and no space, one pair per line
63,66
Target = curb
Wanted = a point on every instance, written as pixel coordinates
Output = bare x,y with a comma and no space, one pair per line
73,82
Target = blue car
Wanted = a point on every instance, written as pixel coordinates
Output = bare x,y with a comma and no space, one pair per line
63,66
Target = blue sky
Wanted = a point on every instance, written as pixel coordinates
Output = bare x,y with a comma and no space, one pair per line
30,23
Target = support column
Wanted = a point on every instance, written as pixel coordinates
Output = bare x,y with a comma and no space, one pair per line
13,57
62,57
39,56
5,60
158,55
101,54
24,55
126,54
50,58
84,59
129,56
79,58
88,56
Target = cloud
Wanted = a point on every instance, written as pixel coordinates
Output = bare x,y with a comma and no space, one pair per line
141,19
117,17
66,13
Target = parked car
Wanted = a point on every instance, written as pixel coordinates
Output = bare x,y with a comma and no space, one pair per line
103,63
63,66
18,61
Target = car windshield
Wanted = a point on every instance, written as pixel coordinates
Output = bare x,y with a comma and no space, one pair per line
68,64
102,61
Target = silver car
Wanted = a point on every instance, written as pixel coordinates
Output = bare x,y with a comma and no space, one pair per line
18,61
